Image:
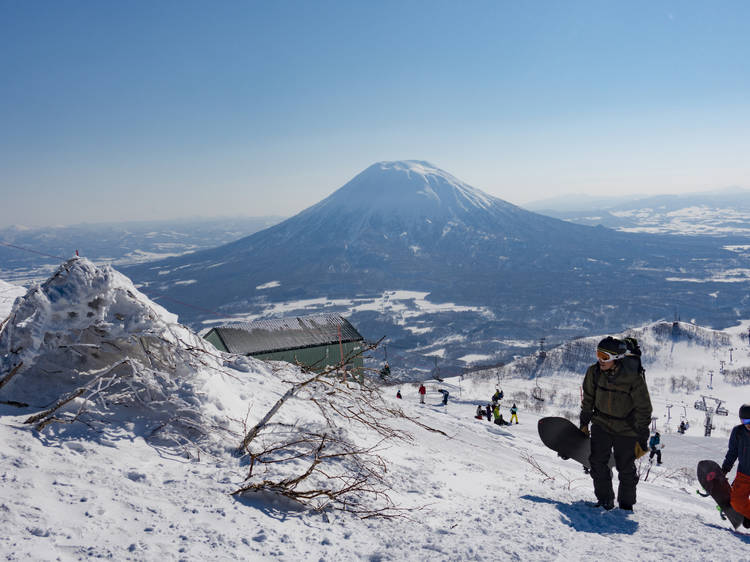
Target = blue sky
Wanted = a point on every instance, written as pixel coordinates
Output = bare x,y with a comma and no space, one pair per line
142,110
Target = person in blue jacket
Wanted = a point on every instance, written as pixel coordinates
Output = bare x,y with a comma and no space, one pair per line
739,448
653,444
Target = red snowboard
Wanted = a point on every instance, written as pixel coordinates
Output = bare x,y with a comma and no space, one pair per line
716,484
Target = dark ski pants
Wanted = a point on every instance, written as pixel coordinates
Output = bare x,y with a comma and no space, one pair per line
656,452
602,444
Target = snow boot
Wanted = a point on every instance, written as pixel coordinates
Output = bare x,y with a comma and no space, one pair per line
746,523
606,504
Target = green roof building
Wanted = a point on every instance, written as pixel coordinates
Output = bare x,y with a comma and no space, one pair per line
316,341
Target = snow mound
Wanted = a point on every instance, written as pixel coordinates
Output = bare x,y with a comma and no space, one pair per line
86,345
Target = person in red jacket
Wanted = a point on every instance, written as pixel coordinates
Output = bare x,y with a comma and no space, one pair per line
422,392
739,448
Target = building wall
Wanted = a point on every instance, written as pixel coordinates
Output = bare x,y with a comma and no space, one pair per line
214,338
318,358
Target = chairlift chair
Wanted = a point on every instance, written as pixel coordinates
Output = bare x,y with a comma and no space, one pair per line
536,393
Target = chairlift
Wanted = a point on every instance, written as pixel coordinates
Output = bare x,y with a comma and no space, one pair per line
721,411
542,353
700,405
536,393
436,372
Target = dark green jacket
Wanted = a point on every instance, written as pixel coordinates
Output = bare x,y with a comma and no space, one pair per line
618,399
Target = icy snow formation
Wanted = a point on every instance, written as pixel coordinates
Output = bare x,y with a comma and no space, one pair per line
87,345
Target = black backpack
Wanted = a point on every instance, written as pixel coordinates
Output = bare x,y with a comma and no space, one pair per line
634,351
633,347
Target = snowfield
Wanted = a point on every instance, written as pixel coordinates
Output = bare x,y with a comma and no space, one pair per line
8,294
145,466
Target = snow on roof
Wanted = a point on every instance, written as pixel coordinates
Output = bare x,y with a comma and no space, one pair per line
280,334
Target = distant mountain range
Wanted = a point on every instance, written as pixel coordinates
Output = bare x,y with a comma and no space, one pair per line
503,276
33,253
716,213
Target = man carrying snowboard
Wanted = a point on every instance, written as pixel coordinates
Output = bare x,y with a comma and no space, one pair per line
617,404
739,448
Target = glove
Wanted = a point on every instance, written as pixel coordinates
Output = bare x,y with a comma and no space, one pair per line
639,451
585,418
641,445
585,430
643,438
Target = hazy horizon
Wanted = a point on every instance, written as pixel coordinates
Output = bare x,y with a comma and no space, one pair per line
532,205
191,109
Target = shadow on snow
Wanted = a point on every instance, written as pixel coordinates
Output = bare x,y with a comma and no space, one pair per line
740,534
586,519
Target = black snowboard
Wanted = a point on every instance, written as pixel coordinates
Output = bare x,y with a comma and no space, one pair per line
716,484
564,437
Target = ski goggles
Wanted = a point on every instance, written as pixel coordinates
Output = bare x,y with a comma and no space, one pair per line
606,355
744,421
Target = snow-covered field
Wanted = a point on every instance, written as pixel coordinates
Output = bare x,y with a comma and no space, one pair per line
469,490
694,220
405,306
8,294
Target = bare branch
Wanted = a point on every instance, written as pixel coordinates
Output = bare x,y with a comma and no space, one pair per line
531,461
318,465
46,417
6,379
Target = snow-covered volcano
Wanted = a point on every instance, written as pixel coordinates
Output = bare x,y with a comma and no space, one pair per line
414,202
407,225
410,188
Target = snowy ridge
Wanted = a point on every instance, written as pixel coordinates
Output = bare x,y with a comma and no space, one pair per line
664,345
683,363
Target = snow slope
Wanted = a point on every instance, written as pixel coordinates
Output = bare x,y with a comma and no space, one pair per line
683,363
111,486
474,497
